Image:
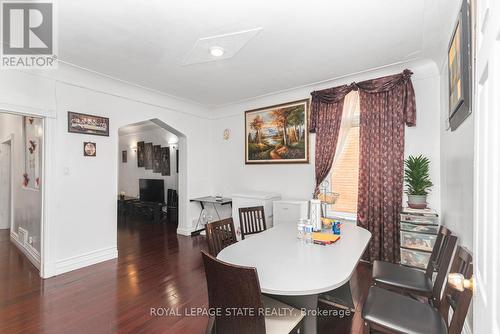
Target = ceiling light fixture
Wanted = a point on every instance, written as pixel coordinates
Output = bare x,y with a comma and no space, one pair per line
216,51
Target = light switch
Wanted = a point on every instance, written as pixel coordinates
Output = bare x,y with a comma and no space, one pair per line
66,170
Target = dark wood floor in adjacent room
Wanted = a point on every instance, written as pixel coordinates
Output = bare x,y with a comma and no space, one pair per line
155,268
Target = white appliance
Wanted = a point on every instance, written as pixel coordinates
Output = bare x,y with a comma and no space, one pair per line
248,199
289,211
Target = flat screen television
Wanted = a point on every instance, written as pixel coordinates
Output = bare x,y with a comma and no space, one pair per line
151,190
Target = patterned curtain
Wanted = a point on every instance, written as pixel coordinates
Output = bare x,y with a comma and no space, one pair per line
386,105
326,115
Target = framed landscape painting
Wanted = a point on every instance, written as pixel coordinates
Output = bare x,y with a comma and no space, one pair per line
277,134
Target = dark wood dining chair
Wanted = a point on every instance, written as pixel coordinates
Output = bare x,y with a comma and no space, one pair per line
252,220
389,312
220,234
234,288
414,282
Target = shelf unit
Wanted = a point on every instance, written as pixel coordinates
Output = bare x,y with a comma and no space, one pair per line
418,233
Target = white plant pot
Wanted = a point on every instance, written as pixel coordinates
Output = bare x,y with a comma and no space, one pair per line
417,201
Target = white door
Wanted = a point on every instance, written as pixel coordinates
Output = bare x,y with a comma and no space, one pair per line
487,170
5,185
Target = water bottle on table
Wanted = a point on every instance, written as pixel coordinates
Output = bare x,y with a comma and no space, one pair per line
300,230
308,233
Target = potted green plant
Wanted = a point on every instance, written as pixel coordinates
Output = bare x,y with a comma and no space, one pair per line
417,181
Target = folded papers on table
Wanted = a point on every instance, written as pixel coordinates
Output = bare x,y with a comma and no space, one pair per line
325,238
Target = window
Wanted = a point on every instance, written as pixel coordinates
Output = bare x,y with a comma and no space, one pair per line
344,174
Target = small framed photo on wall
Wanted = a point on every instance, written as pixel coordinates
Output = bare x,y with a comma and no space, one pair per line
124,156
89,149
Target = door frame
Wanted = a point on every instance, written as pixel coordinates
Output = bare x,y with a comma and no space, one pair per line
10,139
43,270
486,300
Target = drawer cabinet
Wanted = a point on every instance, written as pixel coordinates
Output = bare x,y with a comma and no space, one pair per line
418,234
429,229
419,241
414,258
422,220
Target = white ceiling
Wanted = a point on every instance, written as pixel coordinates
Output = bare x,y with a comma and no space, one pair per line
147,126
301,42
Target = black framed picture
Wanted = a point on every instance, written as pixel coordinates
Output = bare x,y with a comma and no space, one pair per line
89,149
165,161
124,156
140,154
157,159
459,69
88,124
148,155
177,160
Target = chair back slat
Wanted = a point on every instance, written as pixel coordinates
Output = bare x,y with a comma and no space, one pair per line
233,288
220,234
437,252
458,301
448,247
252,220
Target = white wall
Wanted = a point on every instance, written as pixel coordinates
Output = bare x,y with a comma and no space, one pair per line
80,217
457,171
296,181
128,172
27,202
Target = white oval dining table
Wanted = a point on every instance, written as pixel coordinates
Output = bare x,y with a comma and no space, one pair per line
294,272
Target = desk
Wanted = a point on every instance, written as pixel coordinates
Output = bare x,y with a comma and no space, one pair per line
208,199
296,273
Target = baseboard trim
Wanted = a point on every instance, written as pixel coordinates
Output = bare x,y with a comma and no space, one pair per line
84,260
185,231
28,250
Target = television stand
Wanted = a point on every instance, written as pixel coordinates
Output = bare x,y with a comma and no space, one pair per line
153,210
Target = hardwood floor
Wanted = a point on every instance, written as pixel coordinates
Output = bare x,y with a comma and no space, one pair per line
156,268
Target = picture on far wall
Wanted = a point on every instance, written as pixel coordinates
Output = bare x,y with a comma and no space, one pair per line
124,156
32,130
277,134
459,69
165,161
148,155
177,160
140,154
88,124
157,159
89,149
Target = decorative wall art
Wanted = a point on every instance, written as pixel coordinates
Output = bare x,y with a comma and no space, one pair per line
33,131
140,154
459,69
124,156
157,159
165,161
88,124
277,134
226,134
148,155
89,149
